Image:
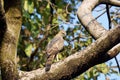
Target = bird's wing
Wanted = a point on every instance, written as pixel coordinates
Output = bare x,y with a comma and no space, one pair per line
53,43
53,47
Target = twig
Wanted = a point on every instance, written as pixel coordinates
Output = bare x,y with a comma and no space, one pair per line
45,36
108,15
67,9
109,20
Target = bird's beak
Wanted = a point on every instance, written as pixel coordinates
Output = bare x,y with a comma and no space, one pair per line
64,34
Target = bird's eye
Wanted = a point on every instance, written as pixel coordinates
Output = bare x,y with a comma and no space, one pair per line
64,33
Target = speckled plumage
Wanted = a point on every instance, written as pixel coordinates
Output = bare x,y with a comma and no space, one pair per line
53,47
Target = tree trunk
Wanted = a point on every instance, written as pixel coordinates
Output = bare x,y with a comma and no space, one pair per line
9,40
72,66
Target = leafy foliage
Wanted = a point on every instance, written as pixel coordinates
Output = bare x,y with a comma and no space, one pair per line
42,19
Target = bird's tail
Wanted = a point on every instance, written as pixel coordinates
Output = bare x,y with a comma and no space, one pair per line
49,62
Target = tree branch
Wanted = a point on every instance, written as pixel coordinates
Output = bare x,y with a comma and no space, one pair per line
77,63
109,21
94,54
50,20
111,2
91,24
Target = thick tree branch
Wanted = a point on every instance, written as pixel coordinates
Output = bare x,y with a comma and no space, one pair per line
111,2
91,24
86,18
77,63
109,21
81,61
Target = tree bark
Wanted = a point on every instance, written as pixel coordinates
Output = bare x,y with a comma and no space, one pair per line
68,68
94,54
77,63
9,40
91,24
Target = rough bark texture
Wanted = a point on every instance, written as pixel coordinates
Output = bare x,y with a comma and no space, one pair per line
91,24
94,54
65,69
10,39
77,63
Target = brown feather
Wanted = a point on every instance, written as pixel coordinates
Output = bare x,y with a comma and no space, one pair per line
49,62
53,48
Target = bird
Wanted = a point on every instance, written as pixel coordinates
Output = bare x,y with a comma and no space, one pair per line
53,48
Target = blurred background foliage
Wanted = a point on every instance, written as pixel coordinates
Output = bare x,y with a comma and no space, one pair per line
42,19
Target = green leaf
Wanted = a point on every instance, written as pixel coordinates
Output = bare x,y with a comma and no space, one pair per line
29,6
104,68
59,10
26,5
28,50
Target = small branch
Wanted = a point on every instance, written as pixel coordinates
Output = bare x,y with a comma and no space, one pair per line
37,48
109,20
67,9
46,33
114,67
117,64
108,15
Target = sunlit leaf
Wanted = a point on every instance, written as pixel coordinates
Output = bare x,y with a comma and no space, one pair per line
28,50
